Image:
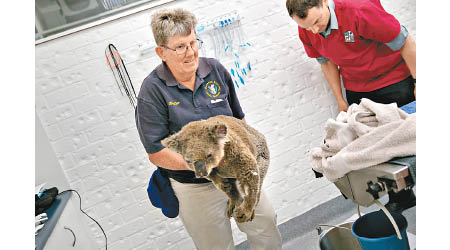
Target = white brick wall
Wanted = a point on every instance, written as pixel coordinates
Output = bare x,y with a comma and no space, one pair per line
91,126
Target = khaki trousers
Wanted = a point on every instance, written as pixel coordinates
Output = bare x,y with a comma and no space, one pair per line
203,213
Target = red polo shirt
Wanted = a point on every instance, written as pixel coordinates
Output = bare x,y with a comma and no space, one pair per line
358,45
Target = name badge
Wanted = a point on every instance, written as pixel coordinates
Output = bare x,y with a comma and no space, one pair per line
216,101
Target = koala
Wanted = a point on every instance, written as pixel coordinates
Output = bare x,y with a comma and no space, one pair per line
230,153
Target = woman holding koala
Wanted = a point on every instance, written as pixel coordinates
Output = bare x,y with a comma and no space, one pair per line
185,88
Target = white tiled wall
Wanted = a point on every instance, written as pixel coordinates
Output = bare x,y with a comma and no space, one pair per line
91,126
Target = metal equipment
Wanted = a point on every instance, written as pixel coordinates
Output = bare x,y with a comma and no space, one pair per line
366,185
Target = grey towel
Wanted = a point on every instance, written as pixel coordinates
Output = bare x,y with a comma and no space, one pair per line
366,135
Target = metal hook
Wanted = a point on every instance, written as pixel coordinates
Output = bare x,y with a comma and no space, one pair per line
319,229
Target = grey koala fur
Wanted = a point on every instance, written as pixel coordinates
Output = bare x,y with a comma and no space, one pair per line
230,153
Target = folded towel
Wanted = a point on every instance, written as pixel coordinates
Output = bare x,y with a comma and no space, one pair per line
367,134
395,139
338,135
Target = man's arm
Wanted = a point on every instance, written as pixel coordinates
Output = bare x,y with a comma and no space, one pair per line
408,52
331,72
168,159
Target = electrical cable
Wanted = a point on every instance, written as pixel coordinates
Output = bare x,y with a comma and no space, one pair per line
74,237
120,73
106,238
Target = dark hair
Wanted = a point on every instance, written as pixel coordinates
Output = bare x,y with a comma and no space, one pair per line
301,7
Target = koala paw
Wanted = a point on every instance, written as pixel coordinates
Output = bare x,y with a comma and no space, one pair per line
230,208
226,186
243,215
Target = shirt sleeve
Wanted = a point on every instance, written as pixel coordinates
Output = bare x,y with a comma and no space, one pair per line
152,125
310,51
322,59
374,23
399,41
232,96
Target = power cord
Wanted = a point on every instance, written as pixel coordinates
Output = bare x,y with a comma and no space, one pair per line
74,237
72,190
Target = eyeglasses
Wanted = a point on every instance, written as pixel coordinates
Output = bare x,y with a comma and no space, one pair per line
181,49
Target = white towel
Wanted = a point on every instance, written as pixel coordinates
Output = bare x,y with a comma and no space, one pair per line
367,134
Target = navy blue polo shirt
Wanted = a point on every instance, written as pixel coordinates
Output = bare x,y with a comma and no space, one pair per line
164,106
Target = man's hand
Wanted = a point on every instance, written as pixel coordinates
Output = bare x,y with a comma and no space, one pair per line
342,106
331,73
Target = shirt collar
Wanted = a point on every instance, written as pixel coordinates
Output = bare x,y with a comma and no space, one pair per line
333,20
164,73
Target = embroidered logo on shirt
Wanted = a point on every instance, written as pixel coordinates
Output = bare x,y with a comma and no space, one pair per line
212,89
173,103
349,37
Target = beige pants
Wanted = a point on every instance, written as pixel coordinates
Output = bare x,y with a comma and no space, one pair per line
203,213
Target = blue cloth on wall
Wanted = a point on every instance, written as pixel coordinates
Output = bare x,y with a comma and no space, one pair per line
161,194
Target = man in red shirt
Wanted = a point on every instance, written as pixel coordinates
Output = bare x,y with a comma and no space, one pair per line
366,46
360,41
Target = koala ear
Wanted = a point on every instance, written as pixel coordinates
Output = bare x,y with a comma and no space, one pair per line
172,142
220,130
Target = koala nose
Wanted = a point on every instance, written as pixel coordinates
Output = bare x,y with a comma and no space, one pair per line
200,169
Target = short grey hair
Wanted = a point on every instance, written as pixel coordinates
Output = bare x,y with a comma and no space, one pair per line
167,23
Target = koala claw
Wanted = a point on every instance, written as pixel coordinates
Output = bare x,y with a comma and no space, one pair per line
242,215
226,186
230,209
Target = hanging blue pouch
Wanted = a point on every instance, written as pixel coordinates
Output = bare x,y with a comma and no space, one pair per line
161,194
